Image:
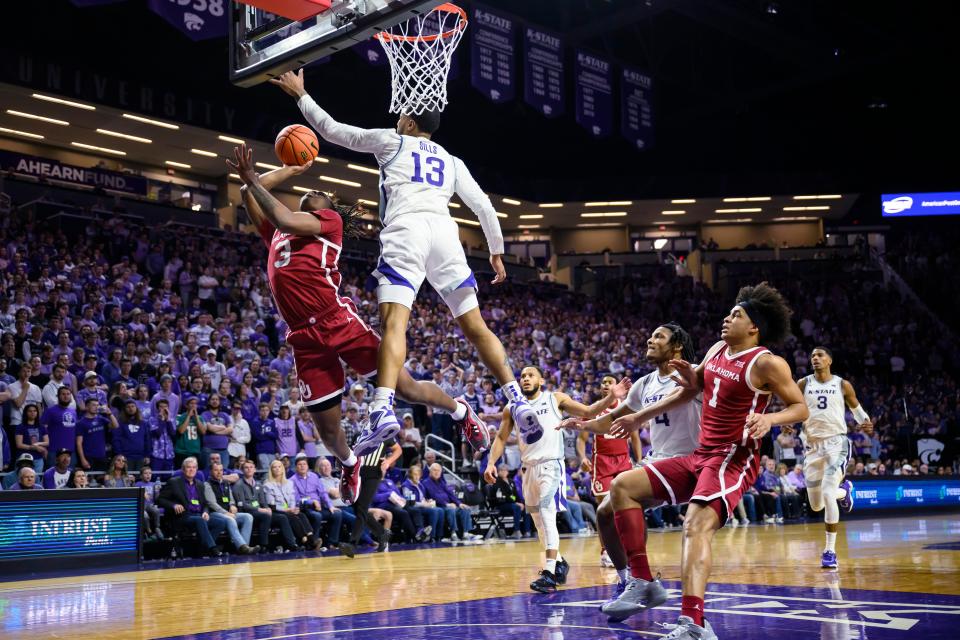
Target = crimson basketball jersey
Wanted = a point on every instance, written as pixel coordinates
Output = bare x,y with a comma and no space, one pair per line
302,270
605,444
729,397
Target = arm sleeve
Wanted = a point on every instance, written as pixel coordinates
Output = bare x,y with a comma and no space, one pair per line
478,201
382,143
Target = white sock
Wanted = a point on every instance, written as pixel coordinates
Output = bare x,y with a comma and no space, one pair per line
459,413
512,391
351,461
624,575
831,541
551,565
382,397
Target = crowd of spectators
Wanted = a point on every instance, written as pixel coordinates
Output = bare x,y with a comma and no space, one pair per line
129,350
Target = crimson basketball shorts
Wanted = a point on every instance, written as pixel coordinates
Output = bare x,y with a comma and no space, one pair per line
320,349
716,476
605,469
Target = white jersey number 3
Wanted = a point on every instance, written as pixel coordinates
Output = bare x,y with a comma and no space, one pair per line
283,249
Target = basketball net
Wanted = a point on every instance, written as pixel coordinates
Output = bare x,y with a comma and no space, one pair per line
419,51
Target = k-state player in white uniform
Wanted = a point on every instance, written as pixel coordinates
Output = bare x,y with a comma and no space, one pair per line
673,433
420,240
826,446
542,464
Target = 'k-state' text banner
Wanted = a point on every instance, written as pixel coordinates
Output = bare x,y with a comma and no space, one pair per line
594,93
543,71
636,107
492,67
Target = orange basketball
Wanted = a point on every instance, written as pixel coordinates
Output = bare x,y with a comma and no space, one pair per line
296,145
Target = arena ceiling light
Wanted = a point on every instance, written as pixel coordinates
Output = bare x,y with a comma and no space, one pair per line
234,176
752,199
372,203
69,103
453,205
603,214
303,189
823,197
684,201
501,214
794,218
229,139
531,216
184,165
821,207
202,152
663,222
659,243
550,205
32,116
609,203
358,167
322,159
264,165
475,223
348,183
728,220
673,212
91,147
125,136
511,201
25,134
747,210
599,224
156,123
528,226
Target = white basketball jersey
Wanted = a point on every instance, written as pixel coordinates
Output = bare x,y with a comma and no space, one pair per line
827,408
675,432
420,178
550,444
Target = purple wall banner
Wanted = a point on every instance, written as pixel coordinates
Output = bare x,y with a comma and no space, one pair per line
197,19
492,66
543,71
636,108
594,93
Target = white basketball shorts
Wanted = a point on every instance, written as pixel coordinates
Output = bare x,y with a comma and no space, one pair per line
414,247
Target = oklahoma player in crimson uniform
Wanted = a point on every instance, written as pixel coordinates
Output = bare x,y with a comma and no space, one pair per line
611,456
324,327
737,377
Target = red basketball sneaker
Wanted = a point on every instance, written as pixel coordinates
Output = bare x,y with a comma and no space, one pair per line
474,430
350,481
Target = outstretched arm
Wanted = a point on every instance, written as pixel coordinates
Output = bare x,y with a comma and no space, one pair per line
383,143
269,180
478,201
580,410
297,223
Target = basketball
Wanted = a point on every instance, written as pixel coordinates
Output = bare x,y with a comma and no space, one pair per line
296,145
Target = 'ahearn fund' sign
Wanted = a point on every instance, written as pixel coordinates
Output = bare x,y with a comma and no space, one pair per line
48,169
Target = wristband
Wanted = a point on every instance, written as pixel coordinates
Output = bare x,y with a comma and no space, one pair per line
859,414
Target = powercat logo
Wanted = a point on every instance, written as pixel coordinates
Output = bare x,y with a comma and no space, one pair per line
897,205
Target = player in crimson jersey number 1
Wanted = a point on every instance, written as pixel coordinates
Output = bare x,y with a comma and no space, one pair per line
324,328
737,377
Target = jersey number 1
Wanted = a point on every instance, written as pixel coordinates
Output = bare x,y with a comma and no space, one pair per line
434,173
716,392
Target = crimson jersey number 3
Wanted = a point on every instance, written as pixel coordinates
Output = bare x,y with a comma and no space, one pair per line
284,252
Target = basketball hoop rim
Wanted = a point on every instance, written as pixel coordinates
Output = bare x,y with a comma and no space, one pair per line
449,7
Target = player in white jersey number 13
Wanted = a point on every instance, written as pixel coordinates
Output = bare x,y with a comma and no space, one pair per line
542,464
826,446
420,240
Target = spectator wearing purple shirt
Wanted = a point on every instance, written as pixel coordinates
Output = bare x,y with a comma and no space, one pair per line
61,423
92,435
132,437
184,507
216,437
287,443
263,432
429,512
26,480
162,434
196,391
314,501
457,513
31,437
56,476
768,484
91,390
282,362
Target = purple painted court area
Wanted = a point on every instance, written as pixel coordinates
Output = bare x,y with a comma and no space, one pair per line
737,612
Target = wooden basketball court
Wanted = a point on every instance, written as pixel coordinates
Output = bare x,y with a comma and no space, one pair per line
898,576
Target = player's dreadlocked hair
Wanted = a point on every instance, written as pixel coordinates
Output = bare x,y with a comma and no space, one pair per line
768,311
352,216
679,337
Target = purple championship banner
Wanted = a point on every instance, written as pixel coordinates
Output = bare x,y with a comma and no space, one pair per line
636,108
543,71
492,67
197,19
594,93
